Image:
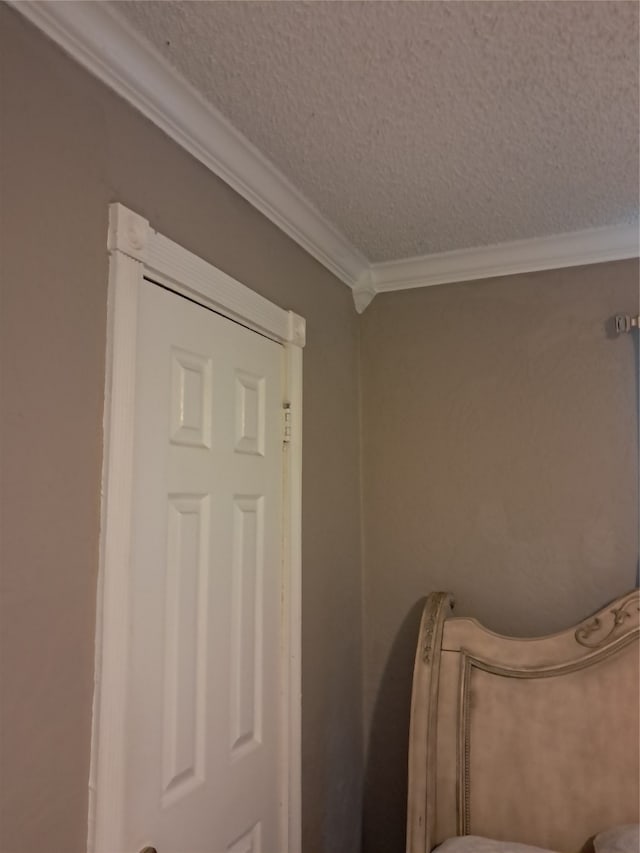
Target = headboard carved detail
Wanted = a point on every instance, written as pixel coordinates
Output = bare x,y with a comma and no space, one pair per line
422,736
432,610
502,727
598,630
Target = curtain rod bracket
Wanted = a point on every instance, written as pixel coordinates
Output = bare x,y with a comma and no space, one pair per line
625,323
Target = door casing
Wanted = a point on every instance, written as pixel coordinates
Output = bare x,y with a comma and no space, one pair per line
136,251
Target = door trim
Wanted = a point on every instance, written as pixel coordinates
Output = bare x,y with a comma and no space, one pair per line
136,251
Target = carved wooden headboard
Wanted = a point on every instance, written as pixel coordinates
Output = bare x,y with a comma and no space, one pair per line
527,740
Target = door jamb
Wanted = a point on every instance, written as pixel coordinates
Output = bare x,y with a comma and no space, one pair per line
136,251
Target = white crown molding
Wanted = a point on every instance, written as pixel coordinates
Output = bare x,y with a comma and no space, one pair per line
578,248
363,291
99,39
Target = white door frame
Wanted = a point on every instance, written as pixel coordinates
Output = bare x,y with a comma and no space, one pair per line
136,251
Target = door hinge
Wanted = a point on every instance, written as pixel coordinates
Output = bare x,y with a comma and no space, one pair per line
286,423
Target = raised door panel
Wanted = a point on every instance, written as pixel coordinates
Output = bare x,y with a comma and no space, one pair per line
185,646
206,767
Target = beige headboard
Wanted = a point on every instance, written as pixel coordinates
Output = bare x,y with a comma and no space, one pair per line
528,740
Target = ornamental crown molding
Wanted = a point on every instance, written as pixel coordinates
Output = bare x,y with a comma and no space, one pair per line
577,248
96,36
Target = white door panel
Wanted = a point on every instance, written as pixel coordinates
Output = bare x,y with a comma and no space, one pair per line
206,769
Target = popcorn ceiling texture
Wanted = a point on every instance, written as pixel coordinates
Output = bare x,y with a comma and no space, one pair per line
420,127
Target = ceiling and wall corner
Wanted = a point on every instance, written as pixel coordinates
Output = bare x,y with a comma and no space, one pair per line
69,147
402,145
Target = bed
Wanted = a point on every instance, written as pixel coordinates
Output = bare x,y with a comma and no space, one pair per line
530,741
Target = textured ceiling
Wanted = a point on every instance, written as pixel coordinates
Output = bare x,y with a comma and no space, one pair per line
419,127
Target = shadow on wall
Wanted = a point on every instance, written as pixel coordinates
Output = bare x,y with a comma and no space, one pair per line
385,801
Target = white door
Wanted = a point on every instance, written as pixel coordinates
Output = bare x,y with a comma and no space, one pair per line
206,762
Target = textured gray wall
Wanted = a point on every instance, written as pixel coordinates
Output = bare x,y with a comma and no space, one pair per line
500,463
69,147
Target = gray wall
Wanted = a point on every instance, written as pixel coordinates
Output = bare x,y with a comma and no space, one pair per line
69,147
500,463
